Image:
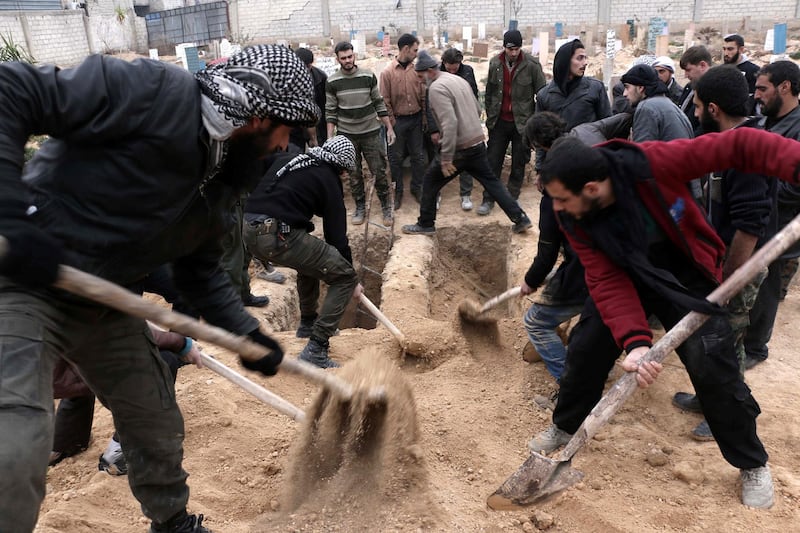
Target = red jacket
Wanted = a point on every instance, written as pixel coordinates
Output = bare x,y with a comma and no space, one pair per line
661,185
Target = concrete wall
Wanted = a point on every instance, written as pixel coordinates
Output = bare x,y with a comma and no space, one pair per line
49,36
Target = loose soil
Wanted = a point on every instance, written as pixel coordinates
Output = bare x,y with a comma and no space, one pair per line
455,425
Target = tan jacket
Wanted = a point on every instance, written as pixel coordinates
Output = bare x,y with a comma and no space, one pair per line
457,112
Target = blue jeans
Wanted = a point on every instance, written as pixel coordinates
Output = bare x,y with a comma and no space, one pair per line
541,322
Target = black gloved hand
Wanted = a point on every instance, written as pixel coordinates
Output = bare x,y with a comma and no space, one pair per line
267,365
32,257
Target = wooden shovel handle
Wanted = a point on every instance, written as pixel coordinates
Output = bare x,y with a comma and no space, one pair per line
382,319
101,291
500,298
266,396
624,387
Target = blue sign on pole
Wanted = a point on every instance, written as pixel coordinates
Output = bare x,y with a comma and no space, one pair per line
780,39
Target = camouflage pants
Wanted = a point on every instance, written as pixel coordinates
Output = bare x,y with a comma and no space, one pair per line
739,313
373,149
116,355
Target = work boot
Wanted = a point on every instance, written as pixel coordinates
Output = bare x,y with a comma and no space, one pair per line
549,440
485,208
522,224
251,300
388,217
358,216
466,203
702,432
750,361
687,402
757,489
306,327
112,460
317,354
181,523
416,229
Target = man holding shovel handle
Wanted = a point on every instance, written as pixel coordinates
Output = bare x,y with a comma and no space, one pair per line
647,248
143,164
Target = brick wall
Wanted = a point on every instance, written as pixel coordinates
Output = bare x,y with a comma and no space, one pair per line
276,19
57,37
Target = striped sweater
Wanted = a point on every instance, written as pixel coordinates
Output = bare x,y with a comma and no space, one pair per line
353,102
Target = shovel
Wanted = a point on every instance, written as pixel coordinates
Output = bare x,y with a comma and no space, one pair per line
540,477
471,310
104,292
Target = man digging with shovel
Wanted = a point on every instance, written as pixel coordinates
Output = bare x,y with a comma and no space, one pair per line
142,168
647,248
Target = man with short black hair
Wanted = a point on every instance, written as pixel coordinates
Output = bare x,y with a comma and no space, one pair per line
404,96
733,54
647,248
513,80
457,112
740,206
777,90
355,108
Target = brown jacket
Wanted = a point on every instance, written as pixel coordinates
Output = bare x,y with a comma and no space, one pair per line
403,92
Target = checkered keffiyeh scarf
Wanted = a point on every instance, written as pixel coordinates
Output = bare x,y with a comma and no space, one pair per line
265,81
337,151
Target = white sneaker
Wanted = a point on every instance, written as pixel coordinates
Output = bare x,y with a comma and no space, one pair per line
466,203
757,488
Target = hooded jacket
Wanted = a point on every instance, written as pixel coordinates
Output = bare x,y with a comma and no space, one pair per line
576,101
527,79
660,171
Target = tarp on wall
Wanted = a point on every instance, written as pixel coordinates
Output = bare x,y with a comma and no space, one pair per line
198,24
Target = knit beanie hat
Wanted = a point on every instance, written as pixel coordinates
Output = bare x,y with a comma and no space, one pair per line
512,39
425,61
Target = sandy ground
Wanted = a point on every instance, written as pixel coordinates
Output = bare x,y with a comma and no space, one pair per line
456,423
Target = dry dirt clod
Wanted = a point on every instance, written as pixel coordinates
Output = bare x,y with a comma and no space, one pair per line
690,472
656,457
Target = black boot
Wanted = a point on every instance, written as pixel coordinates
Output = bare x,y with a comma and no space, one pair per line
181,523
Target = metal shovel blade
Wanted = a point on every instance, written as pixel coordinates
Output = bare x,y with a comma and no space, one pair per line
537,479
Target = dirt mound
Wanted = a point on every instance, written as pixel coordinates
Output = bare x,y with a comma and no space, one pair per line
355,456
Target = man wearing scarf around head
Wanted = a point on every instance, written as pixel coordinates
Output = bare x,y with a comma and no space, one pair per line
142,167
277,228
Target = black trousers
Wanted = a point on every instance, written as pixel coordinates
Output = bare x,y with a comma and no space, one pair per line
709,358
763,313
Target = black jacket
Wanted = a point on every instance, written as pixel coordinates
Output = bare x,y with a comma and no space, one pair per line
788,195
742,201
118,183
302,194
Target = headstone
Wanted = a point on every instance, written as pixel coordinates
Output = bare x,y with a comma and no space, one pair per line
560,43
460,45
611,53
326,64
559,29
513,24
466,35
662,45
385,48
481,30
360,45
769,41
656,26
544,47
779,46
153,53
623,32
688,37
480,49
